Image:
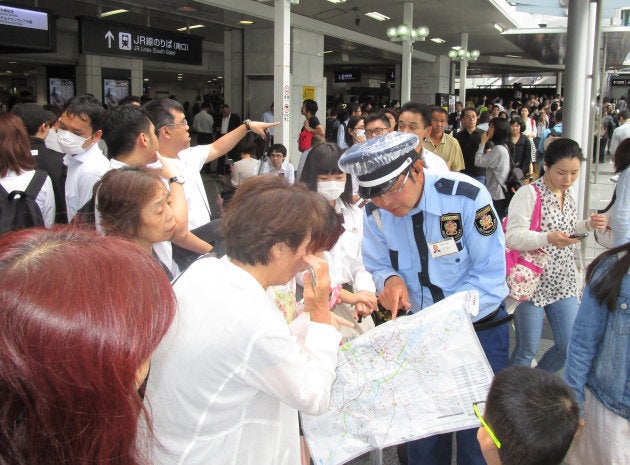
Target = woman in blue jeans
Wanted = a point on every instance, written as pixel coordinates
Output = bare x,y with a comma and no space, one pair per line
556,294
598,363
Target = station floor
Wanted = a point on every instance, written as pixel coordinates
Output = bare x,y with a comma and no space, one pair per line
601,190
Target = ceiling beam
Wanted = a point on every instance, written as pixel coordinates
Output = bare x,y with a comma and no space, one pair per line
259,10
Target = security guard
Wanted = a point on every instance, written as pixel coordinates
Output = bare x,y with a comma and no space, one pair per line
428,235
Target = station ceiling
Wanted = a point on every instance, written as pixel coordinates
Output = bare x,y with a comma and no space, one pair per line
521,54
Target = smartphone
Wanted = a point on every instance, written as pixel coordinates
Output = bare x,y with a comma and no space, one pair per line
578,236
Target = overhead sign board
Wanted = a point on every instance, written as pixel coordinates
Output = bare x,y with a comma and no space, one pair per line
348,75
116,39
25,30
620,82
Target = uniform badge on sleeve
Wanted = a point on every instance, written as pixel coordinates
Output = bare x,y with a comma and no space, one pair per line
486,221
451,226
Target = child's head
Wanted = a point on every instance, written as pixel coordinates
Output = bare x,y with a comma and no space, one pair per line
534,416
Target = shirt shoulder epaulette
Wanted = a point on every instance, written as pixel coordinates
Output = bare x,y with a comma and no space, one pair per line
446,186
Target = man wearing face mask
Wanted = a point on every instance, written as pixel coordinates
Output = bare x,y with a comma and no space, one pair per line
78,135
277,164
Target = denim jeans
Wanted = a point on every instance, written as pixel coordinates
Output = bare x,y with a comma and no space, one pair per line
436,450
528,323
481,179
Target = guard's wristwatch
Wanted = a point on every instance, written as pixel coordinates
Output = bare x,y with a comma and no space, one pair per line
177,179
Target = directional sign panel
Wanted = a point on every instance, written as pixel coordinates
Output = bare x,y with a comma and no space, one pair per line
116,39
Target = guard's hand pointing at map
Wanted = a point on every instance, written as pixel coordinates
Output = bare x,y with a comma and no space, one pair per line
394,295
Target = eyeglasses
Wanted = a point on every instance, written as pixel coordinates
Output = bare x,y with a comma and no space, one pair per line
276,155
375,132
479,408
183,123
391,192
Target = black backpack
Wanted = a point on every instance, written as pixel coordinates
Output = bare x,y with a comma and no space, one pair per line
18,209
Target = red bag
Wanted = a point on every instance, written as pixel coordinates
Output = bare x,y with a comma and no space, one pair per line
305,140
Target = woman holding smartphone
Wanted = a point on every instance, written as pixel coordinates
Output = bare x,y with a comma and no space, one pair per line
560,282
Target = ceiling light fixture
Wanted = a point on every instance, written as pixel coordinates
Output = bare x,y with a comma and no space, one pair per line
112,13
377,16
405,32
337,1
246,21
194,26
461,54
437,40
498,27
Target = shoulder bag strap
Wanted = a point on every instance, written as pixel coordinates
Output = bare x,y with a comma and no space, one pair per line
535,221
36,183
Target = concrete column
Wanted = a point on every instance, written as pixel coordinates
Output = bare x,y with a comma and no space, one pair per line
307,67
407,50
463,70
559,76
452,72
282,72
577,102
233,70
227,68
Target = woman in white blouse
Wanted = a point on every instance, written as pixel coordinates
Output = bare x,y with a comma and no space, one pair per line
17,167
230,376
560,283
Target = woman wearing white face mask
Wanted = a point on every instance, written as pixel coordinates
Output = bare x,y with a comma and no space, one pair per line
355,132
322,174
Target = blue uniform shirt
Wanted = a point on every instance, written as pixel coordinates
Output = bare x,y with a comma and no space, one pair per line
454,205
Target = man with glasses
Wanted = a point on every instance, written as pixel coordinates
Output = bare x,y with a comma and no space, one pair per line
132,141
277,164
171,129
411,210
443,144
376,124
415,118
530,417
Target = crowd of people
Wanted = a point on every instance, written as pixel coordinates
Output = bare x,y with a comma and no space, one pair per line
145,331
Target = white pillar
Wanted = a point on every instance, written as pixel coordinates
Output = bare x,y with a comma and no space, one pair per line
407,50
463,70
282,71
578,77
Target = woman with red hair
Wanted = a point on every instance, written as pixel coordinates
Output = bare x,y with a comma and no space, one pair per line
17,167
80,316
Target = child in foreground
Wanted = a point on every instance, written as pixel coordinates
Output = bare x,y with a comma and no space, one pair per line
530,418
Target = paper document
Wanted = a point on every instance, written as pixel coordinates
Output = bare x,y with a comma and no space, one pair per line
412,377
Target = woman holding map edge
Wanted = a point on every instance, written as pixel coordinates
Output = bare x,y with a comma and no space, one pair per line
230,375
